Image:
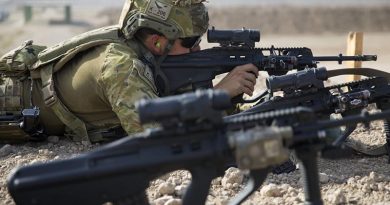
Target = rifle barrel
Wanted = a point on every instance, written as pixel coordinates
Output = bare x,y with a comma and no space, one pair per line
340,58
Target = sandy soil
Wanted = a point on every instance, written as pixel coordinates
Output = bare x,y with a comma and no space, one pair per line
359,180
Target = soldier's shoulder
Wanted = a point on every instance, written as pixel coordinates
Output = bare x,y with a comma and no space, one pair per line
123,50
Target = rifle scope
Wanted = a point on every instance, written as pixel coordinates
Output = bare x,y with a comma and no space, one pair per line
233,37
306,78
187,107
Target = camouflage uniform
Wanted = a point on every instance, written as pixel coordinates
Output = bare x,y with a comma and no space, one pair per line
101,84
89,84
100,87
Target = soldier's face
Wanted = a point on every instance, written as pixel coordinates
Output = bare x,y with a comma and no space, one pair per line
179,48
157,45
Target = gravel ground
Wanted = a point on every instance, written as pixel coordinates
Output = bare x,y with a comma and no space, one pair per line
358,180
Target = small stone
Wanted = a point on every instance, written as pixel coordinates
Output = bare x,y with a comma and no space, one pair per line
174,202
162,200
381,187
229,186
176,181
337,197
232,175
6,150
223,200
180,190
324,178
43,151
86,143
375,177
225,193
271,190
166,188
217,181
363,161
34,161
53,139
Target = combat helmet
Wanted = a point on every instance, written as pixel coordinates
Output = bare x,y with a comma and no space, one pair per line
173,18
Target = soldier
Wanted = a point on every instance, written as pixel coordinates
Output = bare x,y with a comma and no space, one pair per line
87,87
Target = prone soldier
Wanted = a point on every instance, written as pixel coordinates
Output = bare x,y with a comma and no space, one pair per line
86,87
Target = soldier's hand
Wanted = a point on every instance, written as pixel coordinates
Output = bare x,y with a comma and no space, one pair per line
242,79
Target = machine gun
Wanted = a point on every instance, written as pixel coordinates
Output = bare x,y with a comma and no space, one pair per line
306,88
193,136
237,47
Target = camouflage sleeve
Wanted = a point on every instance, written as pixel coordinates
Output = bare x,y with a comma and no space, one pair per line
125,80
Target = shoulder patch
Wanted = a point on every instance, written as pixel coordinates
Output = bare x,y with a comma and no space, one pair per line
159,9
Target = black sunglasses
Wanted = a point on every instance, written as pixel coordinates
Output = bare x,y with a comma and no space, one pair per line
191,42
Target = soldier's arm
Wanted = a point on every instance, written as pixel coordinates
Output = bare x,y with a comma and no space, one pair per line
125,80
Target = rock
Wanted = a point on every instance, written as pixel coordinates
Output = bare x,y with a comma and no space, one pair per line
176,181
271,190
53,139
375,177
180,190
43,152
217,181
324,178
34,161
337,197
229,186
363,161
232,175
6,150
166,188
223,200
162,200
174,202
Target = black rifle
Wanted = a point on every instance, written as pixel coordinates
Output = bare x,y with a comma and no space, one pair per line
306,88
23,126
237,47
193,136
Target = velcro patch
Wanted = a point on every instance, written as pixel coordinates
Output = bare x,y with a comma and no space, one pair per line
159,9
148,73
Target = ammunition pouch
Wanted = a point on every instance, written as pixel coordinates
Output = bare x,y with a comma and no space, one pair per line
16,122
17,62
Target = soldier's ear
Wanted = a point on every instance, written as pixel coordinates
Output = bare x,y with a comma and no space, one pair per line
155,44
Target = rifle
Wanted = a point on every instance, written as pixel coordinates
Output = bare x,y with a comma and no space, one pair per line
193,136
194,70
306,88
21,126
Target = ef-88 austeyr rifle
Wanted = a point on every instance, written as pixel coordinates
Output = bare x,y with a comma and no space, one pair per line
193,136
237,47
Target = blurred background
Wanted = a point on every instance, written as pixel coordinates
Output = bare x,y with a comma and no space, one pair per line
322,25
